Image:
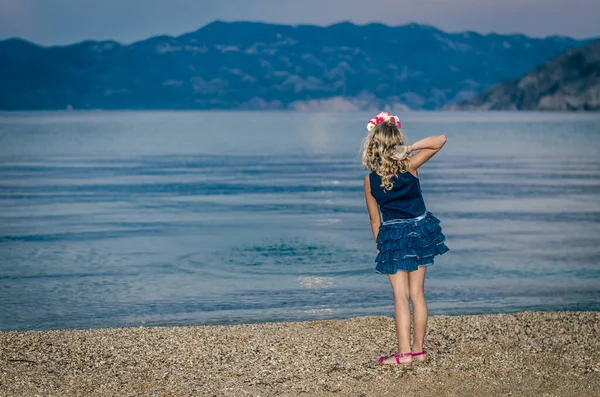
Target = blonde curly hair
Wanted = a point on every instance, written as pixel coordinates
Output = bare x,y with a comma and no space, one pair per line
378,148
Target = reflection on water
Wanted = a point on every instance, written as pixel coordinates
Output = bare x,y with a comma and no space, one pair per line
128,218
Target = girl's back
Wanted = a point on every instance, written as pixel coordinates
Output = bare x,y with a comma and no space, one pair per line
404,200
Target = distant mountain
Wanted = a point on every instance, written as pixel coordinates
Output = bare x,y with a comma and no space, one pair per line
244,65
570,81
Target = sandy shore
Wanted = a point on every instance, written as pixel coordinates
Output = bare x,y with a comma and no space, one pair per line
523,354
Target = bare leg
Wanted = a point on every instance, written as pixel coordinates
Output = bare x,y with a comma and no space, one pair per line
416,281
400,286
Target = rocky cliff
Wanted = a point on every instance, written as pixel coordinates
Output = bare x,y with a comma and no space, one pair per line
570,81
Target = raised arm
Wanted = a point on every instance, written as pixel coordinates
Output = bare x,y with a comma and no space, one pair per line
373,209
427,147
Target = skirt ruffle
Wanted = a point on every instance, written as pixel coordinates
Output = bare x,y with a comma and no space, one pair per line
406,244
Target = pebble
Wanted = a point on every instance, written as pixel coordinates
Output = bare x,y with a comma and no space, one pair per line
521,354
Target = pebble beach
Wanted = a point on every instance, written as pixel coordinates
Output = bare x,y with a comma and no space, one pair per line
521,354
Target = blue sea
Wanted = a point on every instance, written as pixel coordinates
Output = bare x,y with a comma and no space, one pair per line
111,219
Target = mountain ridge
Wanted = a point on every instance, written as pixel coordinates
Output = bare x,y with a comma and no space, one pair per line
250,65
347,23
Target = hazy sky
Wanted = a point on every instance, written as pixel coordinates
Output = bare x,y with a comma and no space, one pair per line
68,21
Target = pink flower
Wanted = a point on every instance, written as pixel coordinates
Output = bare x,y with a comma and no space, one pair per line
381,117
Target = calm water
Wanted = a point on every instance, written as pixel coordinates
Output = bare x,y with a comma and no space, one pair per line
169,218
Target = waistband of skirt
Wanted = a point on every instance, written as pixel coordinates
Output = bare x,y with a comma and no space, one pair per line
405,220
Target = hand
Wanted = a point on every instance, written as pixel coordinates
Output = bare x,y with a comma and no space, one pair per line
401,152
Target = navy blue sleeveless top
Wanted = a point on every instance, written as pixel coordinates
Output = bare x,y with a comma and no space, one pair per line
405,200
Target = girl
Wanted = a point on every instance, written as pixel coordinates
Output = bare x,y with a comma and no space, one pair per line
410,236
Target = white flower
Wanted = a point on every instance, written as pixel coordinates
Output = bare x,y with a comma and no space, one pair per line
370,127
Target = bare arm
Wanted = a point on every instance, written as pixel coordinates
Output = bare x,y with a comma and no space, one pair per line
373,209
427,148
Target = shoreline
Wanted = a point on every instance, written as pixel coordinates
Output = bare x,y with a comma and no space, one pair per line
166,325
525,353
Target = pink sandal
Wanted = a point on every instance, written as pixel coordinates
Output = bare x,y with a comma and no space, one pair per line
419,354
397,356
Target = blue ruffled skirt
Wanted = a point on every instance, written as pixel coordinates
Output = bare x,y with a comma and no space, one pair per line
406,244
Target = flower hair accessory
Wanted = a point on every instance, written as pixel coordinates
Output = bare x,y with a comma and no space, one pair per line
380,118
